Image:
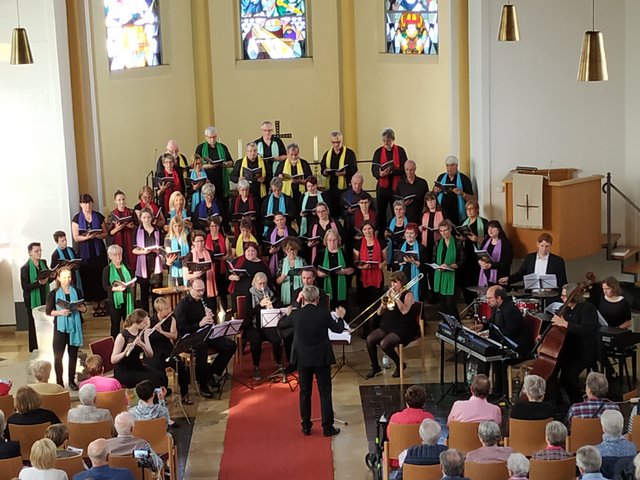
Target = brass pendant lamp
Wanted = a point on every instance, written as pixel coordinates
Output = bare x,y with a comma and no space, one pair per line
20,48
593,61
508,31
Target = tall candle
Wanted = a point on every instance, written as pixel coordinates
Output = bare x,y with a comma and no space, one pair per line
240,148
315,148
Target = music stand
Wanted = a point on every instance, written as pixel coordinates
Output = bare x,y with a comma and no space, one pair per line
227,329
506,344
269,318
455,326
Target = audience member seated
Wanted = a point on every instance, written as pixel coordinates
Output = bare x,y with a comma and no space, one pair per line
477,408
596,403
5,387
414,398
59,435
518,466
613,443
98,452
555,433
40,370
428,452
42,458
589,461
7,449
28,411
452,462
87,410
146,408
95,368
490,451
533,408
125,443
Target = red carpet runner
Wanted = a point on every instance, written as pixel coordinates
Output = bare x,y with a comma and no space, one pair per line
264,438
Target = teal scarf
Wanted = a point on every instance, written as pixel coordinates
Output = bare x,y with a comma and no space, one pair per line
71,324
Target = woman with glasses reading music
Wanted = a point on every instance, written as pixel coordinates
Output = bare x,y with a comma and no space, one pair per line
448,256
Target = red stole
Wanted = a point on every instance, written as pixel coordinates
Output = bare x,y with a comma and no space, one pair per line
425,223
172,188
358,218
371,277
384,181
222,248
239,263
124,239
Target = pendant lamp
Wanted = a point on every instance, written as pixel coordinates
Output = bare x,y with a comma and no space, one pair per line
20,48
508,31
593,61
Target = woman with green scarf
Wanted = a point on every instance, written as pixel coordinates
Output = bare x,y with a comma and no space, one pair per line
34,288
120,299
333,269
448,254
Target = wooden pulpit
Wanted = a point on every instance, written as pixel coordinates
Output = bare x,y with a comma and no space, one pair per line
572,214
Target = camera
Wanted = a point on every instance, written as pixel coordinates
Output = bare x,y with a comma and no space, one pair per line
143,457
157,390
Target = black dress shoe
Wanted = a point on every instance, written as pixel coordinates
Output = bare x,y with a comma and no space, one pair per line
206,391
396,372
373,372
331,432
73,385
306,431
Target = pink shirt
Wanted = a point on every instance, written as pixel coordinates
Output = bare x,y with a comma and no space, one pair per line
475,410
410,415
103,384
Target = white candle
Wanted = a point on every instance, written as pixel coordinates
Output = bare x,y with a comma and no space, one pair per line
315,148
240,148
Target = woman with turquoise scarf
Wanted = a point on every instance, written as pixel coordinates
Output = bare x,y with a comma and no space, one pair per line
448,255
291,261
470,272
67,324
176,241
120,298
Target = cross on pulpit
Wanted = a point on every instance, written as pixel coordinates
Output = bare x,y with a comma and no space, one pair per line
526,205
281,135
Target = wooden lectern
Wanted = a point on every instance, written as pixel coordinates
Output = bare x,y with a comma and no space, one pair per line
572,214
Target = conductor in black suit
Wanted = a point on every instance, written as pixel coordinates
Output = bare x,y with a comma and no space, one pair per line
541,262
313,354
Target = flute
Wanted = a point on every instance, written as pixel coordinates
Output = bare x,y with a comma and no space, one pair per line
134,341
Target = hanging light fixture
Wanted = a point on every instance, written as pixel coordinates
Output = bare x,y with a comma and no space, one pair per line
20,48
508,31
593,61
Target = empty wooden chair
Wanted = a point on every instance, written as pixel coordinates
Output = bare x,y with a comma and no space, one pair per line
7,406
486,471
58,403
464,436
527,436
552,469
26,435
115,402
416,312
153,431
82,434
401,436
584,431
421,472
71,465
127,461
10,468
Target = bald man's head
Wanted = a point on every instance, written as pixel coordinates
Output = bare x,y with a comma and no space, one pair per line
98,452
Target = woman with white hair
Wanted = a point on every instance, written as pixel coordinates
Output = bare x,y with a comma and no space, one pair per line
518,466
428,452
613,443
534,407
243,206
206,209
120,298
40,371
489,435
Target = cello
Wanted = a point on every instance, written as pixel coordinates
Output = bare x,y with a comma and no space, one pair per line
552,339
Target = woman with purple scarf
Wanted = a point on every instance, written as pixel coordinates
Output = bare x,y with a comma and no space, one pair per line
149,266
497,263
89,232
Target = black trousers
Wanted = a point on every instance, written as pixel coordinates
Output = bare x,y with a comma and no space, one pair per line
384,199
60,342
117,315
332,199
388,343
225,349
130,377
145,292
570,371
159,363
323,377
33,338
256,337
448,305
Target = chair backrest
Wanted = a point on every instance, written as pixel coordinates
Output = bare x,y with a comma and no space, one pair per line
416,309
527,436
486,471
464,436
7,406
82,434
26,435
115,402
58,403
402,436
421,472
71,465
584,431
241,307
552,469
10,468
104,348
127,461
153,431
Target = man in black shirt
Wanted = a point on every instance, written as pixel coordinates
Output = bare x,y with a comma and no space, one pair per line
338,165
412,185
218,173
193,312
453,199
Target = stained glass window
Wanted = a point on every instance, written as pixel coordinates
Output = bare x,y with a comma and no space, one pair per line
412,26
273,29
133,33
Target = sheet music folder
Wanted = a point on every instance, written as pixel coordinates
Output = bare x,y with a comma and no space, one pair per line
535,281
